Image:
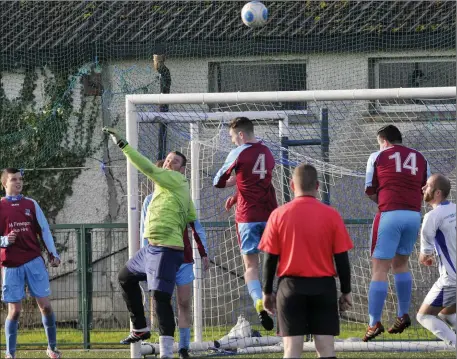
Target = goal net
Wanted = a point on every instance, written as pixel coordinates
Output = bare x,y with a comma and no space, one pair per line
333,130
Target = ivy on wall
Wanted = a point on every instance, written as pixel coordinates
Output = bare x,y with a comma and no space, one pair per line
49,139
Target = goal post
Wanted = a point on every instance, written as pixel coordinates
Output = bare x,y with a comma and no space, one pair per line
340,123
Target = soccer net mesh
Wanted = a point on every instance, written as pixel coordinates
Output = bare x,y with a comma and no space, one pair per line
337,137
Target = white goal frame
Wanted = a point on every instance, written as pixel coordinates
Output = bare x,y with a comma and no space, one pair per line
133,117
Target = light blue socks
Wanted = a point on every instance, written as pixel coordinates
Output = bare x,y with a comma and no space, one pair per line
49,324
184,338
376,297
255,290
11,336
403,286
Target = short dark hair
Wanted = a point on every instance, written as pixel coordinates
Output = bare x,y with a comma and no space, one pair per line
160,163
242,124
305,177
443,184
390,133
9,170
183,158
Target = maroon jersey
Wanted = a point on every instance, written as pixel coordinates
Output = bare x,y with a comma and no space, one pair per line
24,216
253,164
397,175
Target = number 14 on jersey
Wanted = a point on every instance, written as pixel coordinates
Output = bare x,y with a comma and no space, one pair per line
409,163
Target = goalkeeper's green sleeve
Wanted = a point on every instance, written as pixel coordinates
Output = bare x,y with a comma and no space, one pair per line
164,178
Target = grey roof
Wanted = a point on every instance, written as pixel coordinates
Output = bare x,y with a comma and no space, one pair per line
138,28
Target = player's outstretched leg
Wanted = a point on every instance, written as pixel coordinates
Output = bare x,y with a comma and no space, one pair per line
250,235
251,276
439,328
437,312
448,316
131,292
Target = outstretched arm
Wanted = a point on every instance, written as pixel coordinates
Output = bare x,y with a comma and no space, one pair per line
164,178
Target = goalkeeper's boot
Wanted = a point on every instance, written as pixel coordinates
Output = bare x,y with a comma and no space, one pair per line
265,319
401,323
183,353
53,353
373,332
135,337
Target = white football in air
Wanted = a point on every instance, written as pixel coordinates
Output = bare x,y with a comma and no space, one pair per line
254,14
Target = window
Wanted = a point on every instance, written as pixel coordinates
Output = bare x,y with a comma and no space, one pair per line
251,77
427,72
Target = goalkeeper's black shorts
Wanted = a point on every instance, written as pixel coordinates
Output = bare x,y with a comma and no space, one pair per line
307,306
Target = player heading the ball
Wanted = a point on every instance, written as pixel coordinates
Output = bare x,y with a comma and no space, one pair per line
253,164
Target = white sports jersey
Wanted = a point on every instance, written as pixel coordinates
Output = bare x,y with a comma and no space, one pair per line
438,234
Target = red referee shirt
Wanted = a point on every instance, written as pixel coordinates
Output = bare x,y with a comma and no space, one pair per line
305,233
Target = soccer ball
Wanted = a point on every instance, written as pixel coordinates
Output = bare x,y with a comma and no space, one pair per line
254,14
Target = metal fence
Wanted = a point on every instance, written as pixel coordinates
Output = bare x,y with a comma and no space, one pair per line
87,299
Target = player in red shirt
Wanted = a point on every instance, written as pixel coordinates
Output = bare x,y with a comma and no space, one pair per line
306,236
22,226
253,164
394,179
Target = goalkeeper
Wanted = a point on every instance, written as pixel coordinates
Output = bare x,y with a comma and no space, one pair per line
170,210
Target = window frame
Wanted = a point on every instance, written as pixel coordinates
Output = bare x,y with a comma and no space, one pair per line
214,78
408,107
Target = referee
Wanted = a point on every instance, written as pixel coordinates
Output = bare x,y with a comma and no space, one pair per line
301,241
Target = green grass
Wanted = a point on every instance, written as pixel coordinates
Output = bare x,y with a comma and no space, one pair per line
104,344
73,339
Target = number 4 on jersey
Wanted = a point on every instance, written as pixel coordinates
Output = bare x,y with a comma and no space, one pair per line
259,166
409,164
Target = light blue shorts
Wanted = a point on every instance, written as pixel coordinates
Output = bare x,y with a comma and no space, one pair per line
394,232
249,235
34,273
185,274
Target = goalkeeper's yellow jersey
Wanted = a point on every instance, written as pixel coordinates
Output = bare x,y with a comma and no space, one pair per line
171,207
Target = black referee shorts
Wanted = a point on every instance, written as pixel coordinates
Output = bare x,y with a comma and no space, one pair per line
307,306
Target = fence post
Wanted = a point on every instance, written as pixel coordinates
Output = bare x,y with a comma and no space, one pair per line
89,289
85,283
80,266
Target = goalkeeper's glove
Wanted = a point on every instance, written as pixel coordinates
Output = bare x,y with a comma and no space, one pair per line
115,136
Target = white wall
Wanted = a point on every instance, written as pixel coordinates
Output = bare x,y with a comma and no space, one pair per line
98,197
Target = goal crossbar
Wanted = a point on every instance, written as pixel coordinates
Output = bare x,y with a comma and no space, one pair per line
294,96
